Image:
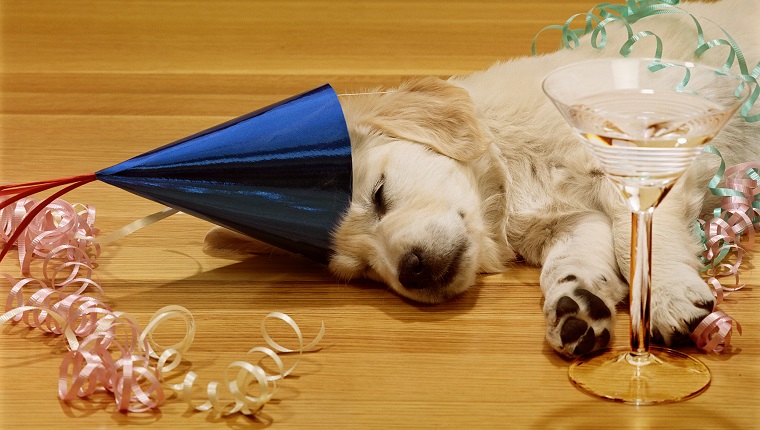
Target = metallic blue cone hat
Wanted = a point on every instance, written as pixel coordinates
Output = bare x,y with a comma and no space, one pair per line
281,174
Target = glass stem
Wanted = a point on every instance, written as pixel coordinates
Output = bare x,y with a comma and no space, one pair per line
640,281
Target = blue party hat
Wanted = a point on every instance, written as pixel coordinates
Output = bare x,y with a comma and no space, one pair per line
281,174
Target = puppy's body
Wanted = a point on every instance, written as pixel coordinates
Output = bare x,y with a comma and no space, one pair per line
456,177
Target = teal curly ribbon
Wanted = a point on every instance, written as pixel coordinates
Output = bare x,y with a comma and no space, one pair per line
597,19
739,214
709,263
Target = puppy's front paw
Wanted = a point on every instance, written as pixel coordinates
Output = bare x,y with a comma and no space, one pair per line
679,304
578,321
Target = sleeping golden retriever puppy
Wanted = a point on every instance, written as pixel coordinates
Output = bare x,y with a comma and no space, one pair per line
457,177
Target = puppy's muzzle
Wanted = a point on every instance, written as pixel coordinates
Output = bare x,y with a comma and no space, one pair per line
426,269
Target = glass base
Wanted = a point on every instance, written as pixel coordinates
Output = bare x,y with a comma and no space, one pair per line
660,376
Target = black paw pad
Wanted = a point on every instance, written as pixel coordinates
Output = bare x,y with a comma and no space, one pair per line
566,306
603,338
596,307
572,329
586,344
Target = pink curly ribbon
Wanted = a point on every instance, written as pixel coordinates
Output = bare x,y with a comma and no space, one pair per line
714,332
59,228
108,352
737,217
129,377
11,194
104,349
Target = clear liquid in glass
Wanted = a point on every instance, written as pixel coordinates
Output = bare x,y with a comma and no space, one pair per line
645,139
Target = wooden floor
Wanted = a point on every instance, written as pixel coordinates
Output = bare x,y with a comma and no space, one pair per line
88,84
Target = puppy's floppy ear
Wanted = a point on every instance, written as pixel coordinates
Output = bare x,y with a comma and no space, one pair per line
435,113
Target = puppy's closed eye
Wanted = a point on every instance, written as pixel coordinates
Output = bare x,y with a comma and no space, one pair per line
378,198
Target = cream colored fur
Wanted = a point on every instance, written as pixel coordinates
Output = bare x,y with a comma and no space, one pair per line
480,169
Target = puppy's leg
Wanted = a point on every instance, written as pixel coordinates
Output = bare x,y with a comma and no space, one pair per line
680,298
581,285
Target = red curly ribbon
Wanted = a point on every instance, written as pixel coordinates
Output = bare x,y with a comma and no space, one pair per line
21,191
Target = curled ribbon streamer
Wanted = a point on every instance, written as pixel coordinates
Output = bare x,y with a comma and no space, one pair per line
601,15
739,213
737,217
247,373
18,193
61,232
77,259
130,378
51,310
137,225
301,348
107,349
58,230
720,291
714,332
113,358
174,351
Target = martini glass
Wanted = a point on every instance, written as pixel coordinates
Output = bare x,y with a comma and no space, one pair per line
645,121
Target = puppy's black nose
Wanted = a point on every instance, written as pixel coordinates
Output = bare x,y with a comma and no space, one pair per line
419,269
413,272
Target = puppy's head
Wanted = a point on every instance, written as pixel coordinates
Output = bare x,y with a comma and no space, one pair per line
419,220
